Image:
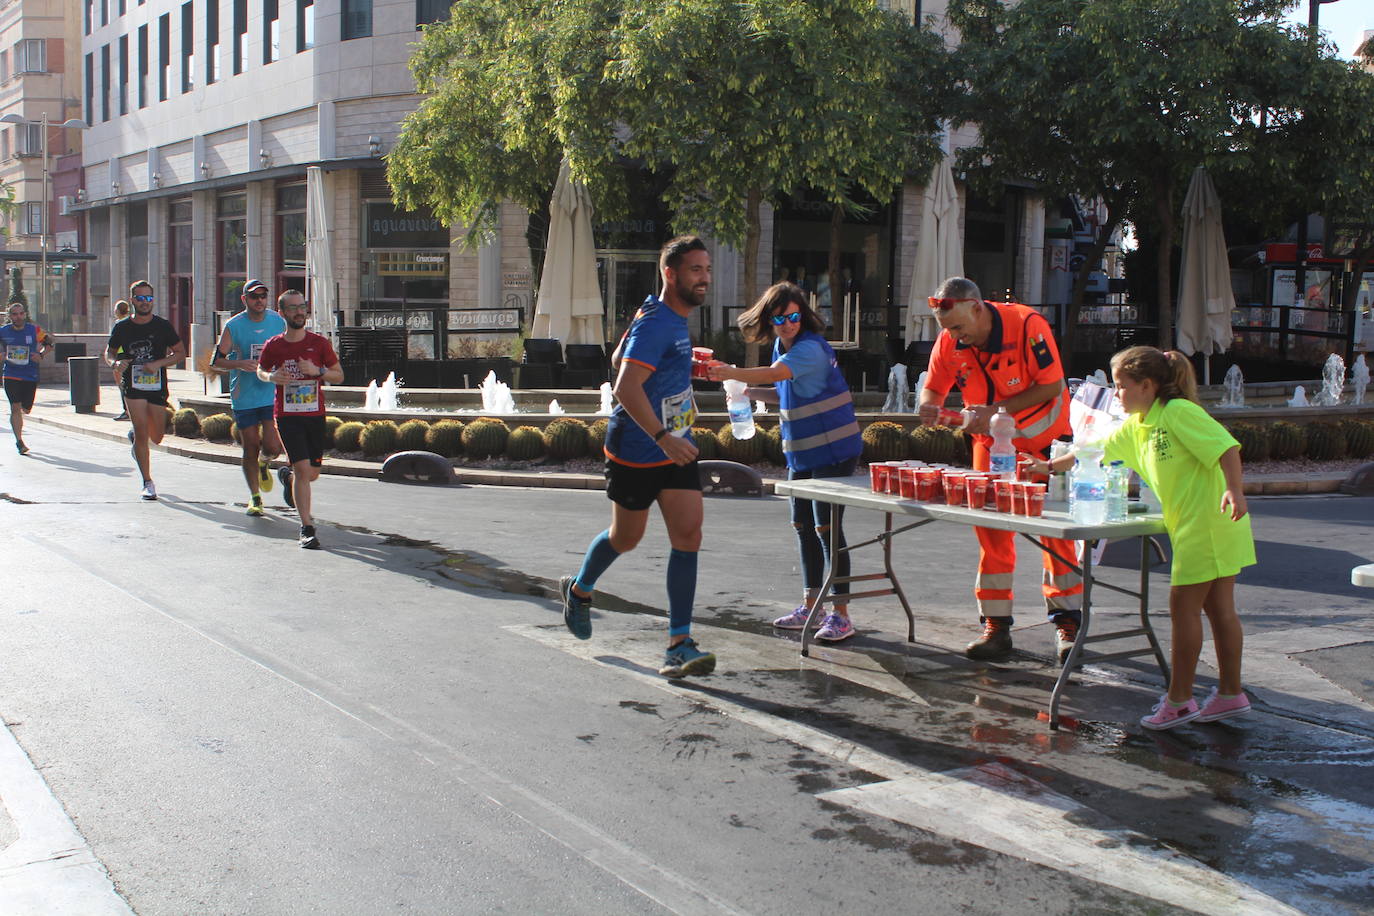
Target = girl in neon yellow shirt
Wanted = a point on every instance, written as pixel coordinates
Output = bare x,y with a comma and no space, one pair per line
1193,464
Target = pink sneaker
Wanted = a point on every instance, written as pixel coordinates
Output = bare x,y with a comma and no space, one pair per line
1168,716
795,620
1219,707
835,629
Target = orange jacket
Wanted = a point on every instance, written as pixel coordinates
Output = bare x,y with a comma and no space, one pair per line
1019,353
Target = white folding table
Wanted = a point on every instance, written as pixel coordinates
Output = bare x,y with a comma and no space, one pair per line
1055,523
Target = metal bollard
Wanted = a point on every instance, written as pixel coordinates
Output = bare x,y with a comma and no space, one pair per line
83,374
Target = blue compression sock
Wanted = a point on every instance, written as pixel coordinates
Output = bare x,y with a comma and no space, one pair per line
682,591
600,556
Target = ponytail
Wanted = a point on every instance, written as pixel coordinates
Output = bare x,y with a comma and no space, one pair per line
1171,372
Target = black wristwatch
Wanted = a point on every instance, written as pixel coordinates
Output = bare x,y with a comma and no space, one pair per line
661,433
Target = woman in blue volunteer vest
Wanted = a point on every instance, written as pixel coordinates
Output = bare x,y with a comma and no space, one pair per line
820,435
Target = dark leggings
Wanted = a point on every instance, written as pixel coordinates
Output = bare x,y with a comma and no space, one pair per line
808,516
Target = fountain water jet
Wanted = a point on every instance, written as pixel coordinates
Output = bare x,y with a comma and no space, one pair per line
606,400
388,398
556,409
1360,377
371,399
1235,388
1333,382
1299,398
496,396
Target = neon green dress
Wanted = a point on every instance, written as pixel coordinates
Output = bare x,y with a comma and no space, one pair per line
1175,447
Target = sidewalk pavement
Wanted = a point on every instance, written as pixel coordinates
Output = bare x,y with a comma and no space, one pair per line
53,407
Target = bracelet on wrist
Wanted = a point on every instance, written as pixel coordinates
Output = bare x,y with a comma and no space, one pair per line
660,434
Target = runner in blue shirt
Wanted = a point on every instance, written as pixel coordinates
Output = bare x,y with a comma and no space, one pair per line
240,345
650,455
24,344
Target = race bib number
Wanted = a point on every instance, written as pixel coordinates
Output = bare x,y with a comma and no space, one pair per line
145,379
679,412
300,396
17,356
255,353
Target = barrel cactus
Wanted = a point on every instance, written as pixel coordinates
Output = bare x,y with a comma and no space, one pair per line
445,438
565,438
772,445
1254,441
347,437
1359,437
923,444
1325,442
1286,441
708,449
410,437
171,420
596,436
745,451
525,443
186,423
235,434
378,438
485,437
963,448
885,441
216,426
331,426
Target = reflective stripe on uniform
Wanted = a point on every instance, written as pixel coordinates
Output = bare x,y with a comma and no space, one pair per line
815,407
1045,423
991,581
821,438
994,607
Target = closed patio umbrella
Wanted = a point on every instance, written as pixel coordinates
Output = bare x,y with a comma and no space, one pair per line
1205,299
939,252
569,306
319,257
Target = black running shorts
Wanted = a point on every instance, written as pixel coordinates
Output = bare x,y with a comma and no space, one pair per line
637,488
21,392
303,438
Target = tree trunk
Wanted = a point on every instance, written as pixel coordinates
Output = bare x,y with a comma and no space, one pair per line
752,233
832,266
1361,254
1164,209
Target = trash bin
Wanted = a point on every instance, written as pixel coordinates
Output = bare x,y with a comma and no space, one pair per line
83,374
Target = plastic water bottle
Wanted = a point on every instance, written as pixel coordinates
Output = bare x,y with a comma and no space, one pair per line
1002,455
1059,490
741,411
1118,482
1089,487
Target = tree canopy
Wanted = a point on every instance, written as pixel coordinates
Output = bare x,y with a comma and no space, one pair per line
734,101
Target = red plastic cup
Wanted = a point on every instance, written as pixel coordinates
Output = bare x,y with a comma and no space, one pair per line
954,489
702,357
894,477
1018,497
1035,499
947,417
1023,466
906,481
1002,494
927,484
976,490
877,473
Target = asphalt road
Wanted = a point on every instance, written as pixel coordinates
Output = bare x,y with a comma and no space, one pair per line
399,723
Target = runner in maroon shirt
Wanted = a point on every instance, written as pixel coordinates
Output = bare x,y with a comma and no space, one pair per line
299,363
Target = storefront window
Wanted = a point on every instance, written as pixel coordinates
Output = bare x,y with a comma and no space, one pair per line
178,296
291,237
232,225
405,264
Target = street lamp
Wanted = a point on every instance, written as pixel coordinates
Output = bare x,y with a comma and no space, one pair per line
42,123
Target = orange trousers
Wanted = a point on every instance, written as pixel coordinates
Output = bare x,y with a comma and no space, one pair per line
1061,586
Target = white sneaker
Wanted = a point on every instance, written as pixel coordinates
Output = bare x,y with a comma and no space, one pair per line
149,491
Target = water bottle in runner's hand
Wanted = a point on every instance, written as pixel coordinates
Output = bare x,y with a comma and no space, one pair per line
740,410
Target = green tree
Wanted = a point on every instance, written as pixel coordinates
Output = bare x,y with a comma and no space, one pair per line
1119,100
733,102
17,288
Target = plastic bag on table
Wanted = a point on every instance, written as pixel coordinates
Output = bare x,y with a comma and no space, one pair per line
1095,412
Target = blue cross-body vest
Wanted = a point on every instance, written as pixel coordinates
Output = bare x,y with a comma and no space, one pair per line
818,430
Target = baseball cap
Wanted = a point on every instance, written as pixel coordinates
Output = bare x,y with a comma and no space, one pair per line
252,285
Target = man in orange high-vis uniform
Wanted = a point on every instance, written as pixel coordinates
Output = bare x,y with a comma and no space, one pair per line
1004,355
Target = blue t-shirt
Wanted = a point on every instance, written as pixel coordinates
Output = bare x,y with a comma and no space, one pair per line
20,346
246,390
658,340
809,365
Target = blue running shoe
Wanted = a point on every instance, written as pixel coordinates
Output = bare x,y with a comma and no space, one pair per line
288,495
577,612
685,658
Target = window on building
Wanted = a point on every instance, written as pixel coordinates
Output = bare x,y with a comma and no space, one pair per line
357,19
271,31
211,41
188,46
98,235
90,88
31,56
231,212
4,144
143,66
123,74
4,66
28,139
427,11
240,35
104,12
87,14
104,82
291,235
33,218
123,8
164,56
305,25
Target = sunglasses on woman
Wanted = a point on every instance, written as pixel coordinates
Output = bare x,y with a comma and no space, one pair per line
793,317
